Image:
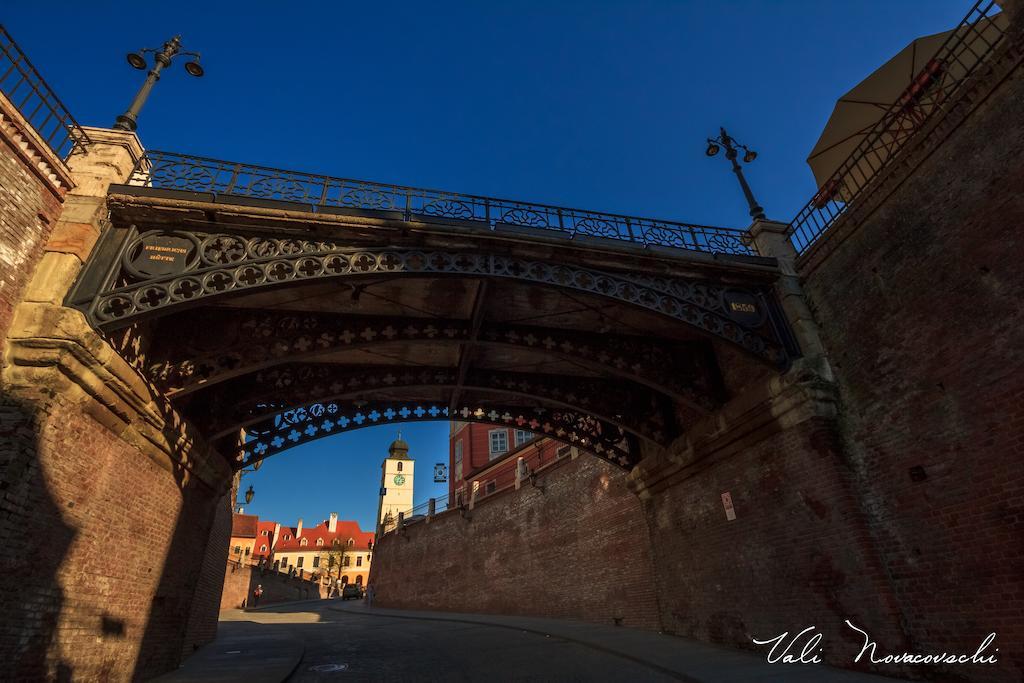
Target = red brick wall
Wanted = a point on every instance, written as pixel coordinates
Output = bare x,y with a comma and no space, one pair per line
922,316
797,554
579,550
29,208
103,542
241,580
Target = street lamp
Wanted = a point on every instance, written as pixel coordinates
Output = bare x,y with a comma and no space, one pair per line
249,495
730,144
129,119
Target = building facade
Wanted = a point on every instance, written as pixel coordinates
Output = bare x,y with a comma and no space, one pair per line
485,457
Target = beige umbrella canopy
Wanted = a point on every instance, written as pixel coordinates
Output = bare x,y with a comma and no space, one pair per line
917,77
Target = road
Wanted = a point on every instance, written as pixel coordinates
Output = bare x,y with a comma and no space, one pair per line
331,640
382,648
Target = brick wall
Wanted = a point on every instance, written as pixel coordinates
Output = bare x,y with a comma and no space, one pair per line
797,554
30,203
578,550
920,305
103,543
241,580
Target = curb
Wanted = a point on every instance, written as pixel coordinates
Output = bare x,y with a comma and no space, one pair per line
601,648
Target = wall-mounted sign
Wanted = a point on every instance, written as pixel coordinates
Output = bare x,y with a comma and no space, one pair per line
440,473
730,511
743,307
159,254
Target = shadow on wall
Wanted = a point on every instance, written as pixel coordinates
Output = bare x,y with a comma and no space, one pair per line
35,539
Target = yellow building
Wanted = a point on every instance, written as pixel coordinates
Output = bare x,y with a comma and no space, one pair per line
243,537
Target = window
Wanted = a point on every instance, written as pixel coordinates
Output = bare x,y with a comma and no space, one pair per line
335,543
490,486
319,541
522,436
344,580
247,549
347,561
359,579
458,460
263,548
563,451
238,550
499,442
351,542
287,537
359,561
316,561
264,532
399,467
298,562
304,541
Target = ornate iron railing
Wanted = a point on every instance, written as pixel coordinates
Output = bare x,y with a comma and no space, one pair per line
932,94
26,89
168,170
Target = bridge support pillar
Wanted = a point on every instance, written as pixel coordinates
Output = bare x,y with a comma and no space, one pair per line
124,492
770,238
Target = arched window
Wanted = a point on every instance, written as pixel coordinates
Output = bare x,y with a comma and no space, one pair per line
359,579
344,579
351,543
319,541
399,467
304,541
263,548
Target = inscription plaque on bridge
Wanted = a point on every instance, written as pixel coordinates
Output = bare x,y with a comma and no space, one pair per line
743,307
157,255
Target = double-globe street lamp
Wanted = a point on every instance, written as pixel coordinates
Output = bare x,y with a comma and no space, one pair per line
129,120
731,146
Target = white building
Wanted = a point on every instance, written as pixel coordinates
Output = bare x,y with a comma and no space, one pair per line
396,479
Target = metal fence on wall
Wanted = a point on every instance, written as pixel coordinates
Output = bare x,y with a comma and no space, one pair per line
26,90
931,95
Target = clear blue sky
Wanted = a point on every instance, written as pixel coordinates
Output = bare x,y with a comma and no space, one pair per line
603,105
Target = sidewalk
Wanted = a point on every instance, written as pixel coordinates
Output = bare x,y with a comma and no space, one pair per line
242,656
683,659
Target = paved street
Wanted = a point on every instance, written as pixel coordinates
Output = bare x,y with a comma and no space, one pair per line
331,640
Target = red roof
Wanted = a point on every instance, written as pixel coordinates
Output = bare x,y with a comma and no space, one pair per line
243,526
345,531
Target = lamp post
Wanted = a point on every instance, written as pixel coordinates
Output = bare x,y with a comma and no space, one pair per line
129,120
730,144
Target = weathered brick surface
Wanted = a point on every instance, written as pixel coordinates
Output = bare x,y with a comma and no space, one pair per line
797,554
921,312
29,208
241,580
579,550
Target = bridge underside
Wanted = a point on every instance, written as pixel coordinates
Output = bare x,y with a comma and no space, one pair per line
291,326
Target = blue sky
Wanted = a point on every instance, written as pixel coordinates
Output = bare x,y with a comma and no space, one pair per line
601,105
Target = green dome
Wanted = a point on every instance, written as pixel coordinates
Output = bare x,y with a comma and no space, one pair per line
398,448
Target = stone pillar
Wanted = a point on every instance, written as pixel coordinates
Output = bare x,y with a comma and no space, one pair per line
431,508
519,472
770,238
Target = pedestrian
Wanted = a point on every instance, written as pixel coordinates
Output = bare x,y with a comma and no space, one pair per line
369,595
257,593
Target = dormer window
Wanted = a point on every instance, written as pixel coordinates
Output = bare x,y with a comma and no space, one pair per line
319,541
351,543
264,532
287,537
304,541
263,548
335,543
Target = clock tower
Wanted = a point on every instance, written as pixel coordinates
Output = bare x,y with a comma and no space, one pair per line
395,484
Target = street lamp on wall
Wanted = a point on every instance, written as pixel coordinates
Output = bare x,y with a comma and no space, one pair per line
129,120
731,146
249,494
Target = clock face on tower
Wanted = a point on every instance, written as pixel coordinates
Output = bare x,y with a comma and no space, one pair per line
399,479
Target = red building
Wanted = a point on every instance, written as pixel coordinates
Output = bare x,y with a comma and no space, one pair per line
488,455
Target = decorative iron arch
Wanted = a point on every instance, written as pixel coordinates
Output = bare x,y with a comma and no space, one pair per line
203,266
291,428
629,408
268,339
